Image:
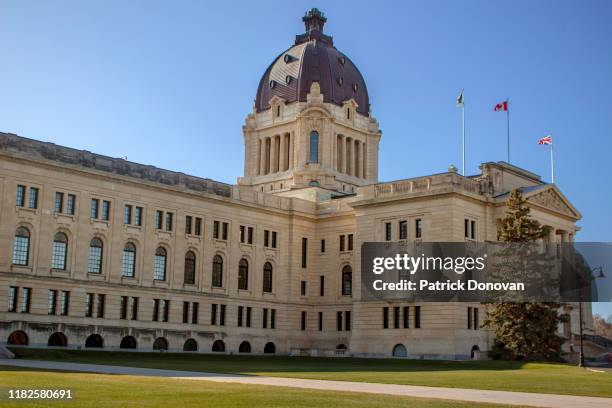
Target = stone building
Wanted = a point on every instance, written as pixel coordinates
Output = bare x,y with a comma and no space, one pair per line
102,252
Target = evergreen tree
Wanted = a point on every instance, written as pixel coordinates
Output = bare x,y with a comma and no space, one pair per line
523,331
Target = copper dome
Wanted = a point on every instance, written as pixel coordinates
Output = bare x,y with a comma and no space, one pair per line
313,58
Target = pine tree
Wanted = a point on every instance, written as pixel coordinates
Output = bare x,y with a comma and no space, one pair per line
523,331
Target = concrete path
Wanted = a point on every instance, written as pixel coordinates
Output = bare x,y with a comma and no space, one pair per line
460,394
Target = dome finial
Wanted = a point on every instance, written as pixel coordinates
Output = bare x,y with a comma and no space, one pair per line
314,20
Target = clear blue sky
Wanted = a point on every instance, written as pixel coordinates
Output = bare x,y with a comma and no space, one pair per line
169,83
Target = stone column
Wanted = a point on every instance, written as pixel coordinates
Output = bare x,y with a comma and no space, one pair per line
258,158
273,155
364,166
342,148
282,157
349,156
357,159
268,144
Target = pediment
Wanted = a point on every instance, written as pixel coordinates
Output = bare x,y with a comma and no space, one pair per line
553,200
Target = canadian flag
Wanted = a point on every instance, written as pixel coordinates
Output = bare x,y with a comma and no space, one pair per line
502,106
546,140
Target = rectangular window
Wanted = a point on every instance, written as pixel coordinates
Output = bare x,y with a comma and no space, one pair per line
266,238
224,230
93,209
406,317
138,216
403,230
101,305
250,235
216,230
418,228
185,312
155,310
127,214
388,236
198,226
64,302
341,243
89,303
466,228
124,308
385,317
350,242
273,239
469,317
320,321
322,245
304,251
70,204
188,221
272,318
222,316
240,312
303,321
26,299
20,196
195,309
169,219
13,296
303,288
166,314
52,302
134,308
59,202
396,317
417,317
347,320
213,314
321,285
106,210
33,198
248,317
473,229
264,319
476,322
339,321
159,219
242,234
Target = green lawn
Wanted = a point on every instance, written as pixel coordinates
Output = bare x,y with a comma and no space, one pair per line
491,375
100,390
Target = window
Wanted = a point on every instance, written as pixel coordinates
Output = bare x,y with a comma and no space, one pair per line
406,317
272,318
198,226
70,204
469,227
59,202
159,219
138,216
190,268
21,247
322,245
166,311
341,243
127,214
128,265
248,316
303,288
169,218
303,321
347,320
155,310
250,235
243,274
93,208
385,317
273,239
64,302
473,229
396,317
134,308
388,236
213,314
350,242
339,321
185,312
304,251
224,229
222,316
26,300
320,321
124,308
403,230
13,296
20,196
195,308
106,210
266,238
52,310
216,229
240,313
159,264
217,272
476,322
466,228
242,234
188,222
33,198
267,277
321,285
94,263
417,317
264,319
347,281
314,147
59,251
89,304
469,317
101,306
418,228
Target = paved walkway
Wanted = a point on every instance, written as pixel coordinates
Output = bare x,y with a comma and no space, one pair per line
460,394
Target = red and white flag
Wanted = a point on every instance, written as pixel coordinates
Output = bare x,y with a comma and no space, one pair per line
502,106
546,140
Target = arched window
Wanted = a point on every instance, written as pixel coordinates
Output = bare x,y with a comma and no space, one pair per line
128,266
218,346
314,147
267,277
347,281
160,343
57,339
245,347
95,340
94,263
59,252
190,345
243,274
21,247
269,348
190,268
159,264
217,272
128,342
18,338
399,350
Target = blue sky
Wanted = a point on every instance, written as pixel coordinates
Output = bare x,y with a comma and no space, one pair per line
169,83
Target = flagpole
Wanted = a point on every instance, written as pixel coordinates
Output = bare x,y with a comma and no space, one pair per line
508,122
463,139
552,165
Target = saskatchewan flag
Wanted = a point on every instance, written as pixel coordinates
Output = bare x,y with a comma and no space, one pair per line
460,99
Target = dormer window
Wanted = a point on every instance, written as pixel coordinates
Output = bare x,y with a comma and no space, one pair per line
348,113
287,58
288,79
355,87
340,81
278,110
272,84
342,60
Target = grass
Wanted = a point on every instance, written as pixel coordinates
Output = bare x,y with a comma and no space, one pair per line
488,375
100,390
